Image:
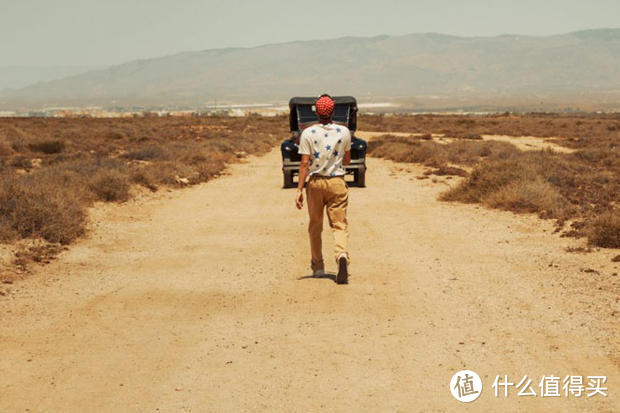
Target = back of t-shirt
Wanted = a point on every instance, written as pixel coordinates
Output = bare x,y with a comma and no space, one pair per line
326,145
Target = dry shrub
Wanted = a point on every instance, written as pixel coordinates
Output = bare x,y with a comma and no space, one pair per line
144,177
47,147
523,182
577,131
5,148
115,135
528,195
110,185
33,206
604,230
82,164
447,170
465,135
581,185
40,252
148,153
21,162
413,149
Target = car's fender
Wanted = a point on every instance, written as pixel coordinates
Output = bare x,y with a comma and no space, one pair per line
290,151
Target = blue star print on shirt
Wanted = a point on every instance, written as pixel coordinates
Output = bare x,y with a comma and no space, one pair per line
328,147
335,153
338,130
317,155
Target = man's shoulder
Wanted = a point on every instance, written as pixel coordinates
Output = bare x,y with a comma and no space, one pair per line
310,130
345,130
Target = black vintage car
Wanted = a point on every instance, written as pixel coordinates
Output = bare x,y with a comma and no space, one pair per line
302,114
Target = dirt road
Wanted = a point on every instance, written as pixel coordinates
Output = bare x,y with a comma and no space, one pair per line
200,300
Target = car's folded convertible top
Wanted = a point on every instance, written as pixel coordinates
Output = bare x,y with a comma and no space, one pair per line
301,111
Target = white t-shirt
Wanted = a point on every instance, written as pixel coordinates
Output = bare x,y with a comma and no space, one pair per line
326,145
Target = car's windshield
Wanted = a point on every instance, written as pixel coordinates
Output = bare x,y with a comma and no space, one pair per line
341,114
306,114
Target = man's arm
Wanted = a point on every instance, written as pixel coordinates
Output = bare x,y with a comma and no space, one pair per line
347,149
347,158
304,167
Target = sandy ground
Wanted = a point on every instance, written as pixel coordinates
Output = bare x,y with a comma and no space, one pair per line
200,300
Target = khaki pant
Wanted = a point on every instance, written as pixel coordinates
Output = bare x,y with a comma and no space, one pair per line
331,194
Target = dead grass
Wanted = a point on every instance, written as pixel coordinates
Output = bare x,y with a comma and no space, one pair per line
575,130
5,149
42,253
47,147
582,187
110,185
604,230
35,206
54,169
429,153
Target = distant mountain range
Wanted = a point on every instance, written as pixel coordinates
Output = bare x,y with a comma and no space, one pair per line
580,63
17,77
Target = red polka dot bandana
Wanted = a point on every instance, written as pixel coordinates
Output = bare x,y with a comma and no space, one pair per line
324,106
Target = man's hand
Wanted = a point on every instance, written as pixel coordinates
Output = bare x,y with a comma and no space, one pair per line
303,173
299,199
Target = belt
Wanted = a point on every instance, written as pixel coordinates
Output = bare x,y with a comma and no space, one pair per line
325,177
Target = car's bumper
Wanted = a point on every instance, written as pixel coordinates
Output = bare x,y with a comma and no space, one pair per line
356,164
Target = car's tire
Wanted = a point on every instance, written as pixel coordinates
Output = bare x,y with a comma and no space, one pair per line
288,179
359,178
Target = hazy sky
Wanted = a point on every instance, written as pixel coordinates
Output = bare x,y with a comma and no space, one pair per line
104,32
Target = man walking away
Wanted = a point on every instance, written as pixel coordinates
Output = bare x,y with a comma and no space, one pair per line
324,148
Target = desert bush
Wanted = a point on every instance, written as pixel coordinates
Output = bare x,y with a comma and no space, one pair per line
39,252
115,135
47,147
168,172
21,162
110,185
5,148
528,195
446,170
148,153
82,163
581,185
587,129
604,230
466,135
144,177
520,182
412,149
33,206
